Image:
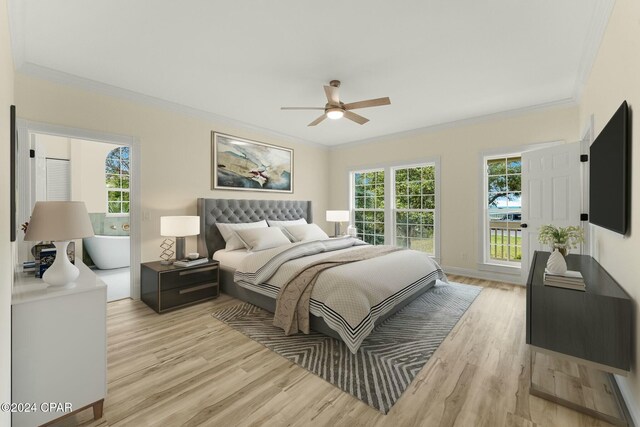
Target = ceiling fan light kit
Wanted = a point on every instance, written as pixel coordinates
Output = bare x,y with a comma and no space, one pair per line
335,113
336,109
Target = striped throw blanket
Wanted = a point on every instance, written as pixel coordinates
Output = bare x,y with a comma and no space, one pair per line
292,305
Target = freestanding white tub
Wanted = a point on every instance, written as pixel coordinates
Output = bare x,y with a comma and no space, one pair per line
108,252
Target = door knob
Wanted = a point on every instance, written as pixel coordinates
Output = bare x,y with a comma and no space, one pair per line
523,225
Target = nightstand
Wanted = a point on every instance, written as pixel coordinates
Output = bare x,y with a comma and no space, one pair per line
165,287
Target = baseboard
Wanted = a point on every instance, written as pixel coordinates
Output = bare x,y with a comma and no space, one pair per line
485,275
632,404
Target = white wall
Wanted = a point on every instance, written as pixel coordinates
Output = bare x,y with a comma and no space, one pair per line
55,147
87,173
6,249
175,151
459,148
615,77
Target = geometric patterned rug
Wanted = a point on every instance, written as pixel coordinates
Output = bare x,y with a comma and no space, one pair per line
387,361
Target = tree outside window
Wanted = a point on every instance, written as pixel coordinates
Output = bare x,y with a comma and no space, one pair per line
415,204
369,205
503,197
117,180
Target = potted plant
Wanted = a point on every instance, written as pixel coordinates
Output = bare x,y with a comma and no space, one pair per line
561,238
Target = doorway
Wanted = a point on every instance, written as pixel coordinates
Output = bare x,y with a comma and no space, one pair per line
59,163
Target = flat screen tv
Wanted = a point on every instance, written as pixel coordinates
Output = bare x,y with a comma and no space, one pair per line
609,174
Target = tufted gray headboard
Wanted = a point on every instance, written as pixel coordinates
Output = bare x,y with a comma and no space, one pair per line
236,211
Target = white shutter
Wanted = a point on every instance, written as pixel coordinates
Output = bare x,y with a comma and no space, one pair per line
58,180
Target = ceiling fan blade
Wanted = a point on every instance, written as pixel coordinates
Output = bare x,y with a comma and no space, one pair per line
355,117
318,120
368,103
332,95
302,108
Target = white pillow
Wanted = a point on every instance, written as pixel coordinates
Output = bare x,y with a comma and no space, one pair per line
228,232
283,224
259,239
305,232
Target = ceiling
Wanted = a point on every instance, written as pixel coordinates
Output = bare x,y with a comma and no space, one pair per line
438,61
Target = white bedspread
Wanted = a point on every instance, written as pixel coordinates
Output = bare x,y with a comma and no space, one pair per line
230,259
351,297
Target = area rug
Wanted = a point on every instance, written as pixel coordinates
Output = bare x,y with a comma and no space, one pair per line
388,360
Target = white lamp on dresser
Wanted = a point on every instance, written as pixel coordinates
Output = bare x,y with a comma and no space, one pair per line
59,222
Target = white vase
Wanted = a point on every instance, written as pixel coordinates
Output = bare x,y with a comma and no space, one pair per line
556,263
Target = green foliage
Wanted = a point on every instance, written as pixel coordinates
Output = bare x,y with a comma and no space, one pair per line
414,189
497,167
117,178
560,237
114,207
504,180
514,165
506,248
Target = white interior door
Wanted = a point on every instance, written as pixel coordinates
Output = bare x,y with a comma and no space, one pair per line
551,193
58,180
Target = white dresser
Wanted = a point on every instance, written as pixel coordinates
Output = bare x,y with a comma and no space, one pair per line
59,347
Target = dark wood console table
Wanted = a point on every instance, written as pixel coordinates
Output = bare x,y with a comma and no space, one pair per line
591,328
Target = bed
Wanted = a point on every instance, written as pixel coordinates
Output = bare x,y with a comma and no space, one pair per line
322,318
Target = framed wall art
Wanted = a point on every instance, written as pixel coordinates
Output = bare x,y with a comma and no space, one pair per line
242,164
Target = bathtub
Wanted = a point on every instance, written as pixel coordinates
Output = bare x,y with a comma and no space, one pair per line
108,252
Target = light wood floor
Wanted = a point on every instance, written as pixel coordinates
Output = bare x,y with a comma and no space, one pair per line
186,368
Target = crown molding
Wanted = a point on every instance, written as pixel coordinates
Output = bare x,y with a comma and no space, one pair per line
562,103
597,27
55,76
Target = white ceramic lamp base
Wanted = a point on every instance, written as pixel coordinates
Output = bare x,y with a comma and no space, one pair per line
61,272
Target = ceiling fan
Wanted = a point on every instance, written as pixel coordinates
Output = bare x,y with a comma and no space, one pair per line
336,109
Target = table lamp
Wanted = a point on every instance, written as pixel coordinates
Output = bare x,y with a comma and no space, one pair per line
59,222
337,217
179,227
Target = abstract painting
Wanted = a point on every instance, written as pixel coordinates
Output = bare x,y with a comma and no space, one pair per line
242,164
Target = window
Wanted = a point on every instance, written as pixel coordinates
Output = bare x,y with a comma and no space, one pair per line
503,240
415,202
117,179
403,213
368,205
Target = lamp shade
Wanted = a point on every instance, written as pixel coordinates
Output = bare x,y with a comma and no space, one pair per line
58,221
179,226
337,216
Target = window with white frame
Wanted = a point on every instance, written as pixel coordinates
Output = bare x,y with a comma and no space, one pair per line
403,213
415,203
368,205
502,195
117,181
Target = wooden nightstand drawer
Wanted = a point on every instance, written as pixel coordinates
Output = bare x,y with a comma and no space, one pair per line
167,287
182,296
187,277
